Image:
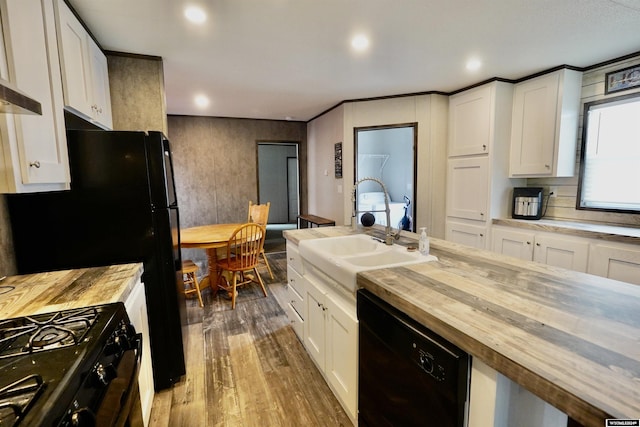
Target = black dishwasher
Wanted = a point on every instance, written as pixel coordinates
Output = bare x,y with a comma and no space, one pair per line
408,375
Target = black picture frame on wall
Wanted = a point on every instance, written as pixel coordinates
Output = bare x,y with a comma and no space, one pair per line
624,79
338,159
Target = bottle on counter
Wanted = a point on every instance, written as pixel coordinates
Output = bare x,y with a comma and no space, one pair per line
423,245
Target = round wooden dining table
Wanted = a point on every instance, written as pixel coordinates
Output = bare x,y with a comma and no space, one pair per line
211,238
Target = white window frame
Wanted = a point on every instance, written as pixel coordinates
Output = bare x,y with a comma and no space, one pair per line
610,159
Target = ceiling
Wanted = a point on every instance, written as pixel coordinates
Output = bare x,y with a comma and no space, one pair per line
292,59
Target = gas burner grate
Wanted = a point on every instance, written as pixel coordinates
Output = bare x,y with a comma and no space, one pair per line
41,332
16,398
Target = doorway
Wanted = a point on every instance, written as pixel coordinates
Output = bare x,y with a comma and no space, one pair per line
387,153
278,183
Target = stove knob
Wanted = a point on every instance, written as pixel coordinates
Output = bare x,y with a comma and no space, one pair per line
101,374
83,417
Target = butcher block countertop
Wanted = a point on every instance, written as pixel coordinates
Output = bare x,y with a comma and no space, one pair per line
59,290
571,338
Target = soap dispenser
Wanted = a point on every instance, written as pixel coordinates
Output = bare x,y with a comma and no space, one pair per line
424,241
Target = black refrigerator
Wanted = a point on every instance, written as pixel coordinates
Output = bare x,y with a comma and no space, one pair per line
121,208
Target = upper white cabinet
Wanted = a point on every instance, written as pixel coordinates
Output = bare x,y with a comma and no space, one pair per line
84,70
545,125
468,187
470,129
33,155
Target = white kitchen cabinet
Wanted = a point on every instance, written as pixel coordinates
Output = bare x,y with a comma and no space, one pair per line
478,186
544,127
467,188
466,234
470,130
33,156
294,305
547,248
561,251
518,244
331,339
618,261
85,78
136,305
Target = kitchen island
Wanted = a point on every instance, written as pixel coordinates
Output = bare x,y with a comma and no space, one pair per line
570,338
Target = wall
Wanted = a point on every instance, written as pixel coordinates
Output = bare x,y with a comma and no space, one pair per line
324,189
137,92
563,206
215,162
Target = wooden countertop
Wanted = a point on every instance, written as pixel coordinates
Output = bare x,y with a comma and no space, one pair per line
603,232
571,338
58,290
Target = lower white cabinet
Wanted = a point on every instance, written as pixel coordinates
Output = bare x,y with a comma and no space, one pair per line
295,306
467,188
136,305
466,234
616,261
546,248
331,338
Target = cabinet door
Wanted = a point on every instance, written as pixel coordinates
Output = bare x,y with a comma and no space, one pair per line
470,122
74,61
517,244
561,252
314,324
342,353
465,234
100,77
136,306
533,130
35,151
467,188
615,261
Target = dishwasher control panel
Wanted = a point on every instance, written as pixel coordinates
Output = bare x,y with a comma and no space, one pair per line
429,364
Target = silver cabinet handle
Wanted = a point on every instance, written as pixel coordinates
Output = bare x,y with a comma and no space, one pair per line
35,164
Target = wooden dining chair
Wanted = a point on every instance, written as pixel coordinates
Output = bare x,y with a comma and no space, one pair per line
260,215
243,251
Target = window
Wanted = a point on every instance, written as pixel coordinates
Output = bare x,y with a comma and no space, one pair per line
610,156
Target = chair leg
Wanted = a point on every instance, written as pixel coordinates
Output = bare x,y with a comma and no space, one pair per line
260,282
233,289
266,262
197,286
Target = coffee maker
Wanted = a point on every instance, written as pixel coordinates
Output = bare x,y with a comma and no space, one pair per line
527,202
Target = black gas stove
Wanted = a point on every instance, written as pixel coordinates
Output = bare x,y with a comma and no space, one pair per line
74,367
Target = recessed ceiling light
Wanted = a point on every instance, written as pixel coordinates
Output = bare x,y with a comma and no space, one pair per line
201,101
195,14
473,64
360,42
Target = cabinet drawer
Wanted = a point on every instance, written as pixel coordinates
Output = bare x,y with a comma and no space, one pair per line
296,301
293,258
296,321
295,280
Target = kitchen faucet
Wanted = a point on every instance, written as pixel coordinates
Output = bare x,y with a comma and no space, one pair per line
389,236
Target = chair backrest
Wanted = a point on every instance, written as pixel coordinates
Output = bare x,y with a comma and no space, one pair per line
245,245
259,213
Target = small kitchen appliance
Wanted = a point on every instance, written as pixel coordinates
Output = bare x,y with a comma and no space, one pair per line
527,202
76,367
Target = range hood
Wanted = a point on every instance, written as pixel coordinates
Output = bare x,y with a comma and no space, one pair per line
16,102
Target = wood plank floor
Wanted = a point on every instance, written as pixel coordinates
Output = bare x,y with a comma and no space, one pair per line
246,367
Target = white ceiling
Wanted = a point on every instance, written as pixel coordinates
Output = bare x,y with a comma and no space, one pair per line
273,59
